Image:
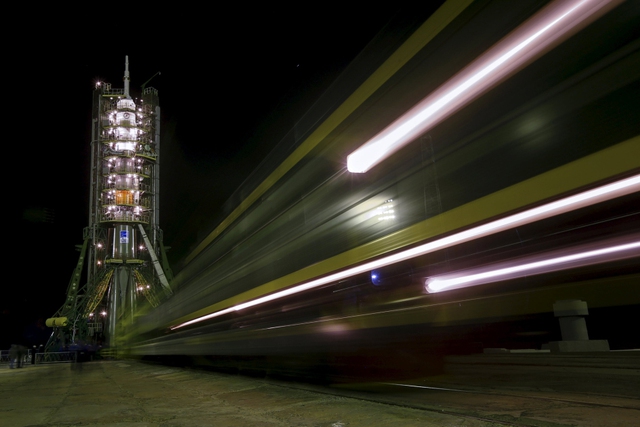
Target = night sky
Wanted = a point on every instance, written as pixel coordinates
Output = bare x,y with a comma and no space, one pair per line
232,84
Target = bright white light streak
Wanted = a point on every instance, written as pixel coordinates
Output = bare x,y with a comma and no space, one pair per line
439,284
540,33
577,201
429,388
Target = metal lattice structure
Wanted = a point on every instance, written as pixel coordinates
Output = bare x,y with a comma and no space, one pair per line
121,243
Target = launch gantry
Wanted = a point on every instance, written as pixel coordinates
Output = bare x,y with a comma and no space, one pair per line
123,239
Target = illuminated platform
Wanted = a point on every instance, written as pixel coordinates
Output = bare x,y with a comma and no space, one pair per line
123,261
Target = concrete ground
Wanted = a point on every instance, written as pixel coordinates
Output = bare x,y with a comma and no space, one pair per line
581,389
475,391
134,394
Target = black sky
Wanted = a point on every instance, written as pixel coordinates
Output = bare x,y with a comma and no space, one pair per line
233,82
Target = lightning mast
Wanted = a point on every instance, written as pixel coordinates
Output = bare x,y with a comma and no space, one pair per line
123,239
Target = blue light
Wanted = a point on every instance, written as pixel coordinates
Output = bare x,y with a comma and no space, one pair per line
376,278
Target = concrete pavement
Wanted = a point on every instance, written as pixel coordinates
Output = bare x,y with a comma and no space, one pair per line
134,394
475,391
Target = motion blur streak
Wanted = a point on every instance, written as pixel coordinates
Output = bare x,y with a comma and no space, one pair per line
424,35
428,388
538,35
584,199
439,284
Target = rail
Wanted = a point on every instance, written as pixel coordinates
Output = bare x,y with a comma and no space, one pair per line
42,358
57,357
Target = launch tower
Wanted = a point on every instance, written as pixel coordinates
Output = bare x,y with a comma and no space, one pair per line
127,270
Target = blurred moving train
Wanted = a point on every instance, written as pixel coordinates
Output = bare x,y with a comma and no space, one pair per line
462,238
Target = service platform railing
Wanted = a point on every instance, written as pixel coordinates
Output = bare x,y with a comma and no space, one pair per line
57,357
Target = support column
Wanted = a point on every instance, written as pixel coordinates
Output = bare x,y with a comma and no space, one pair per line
575,337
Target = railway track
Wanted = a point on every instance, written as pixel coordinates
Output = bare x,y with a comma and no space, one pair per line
497,407
587,391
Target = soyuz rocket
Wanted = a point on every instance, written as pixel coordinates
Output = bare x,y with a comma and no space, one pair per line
126,265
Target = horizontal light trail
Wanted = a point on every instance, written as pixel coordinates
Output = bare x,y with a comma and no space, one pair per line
577,201
439,284
429,388
540,33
